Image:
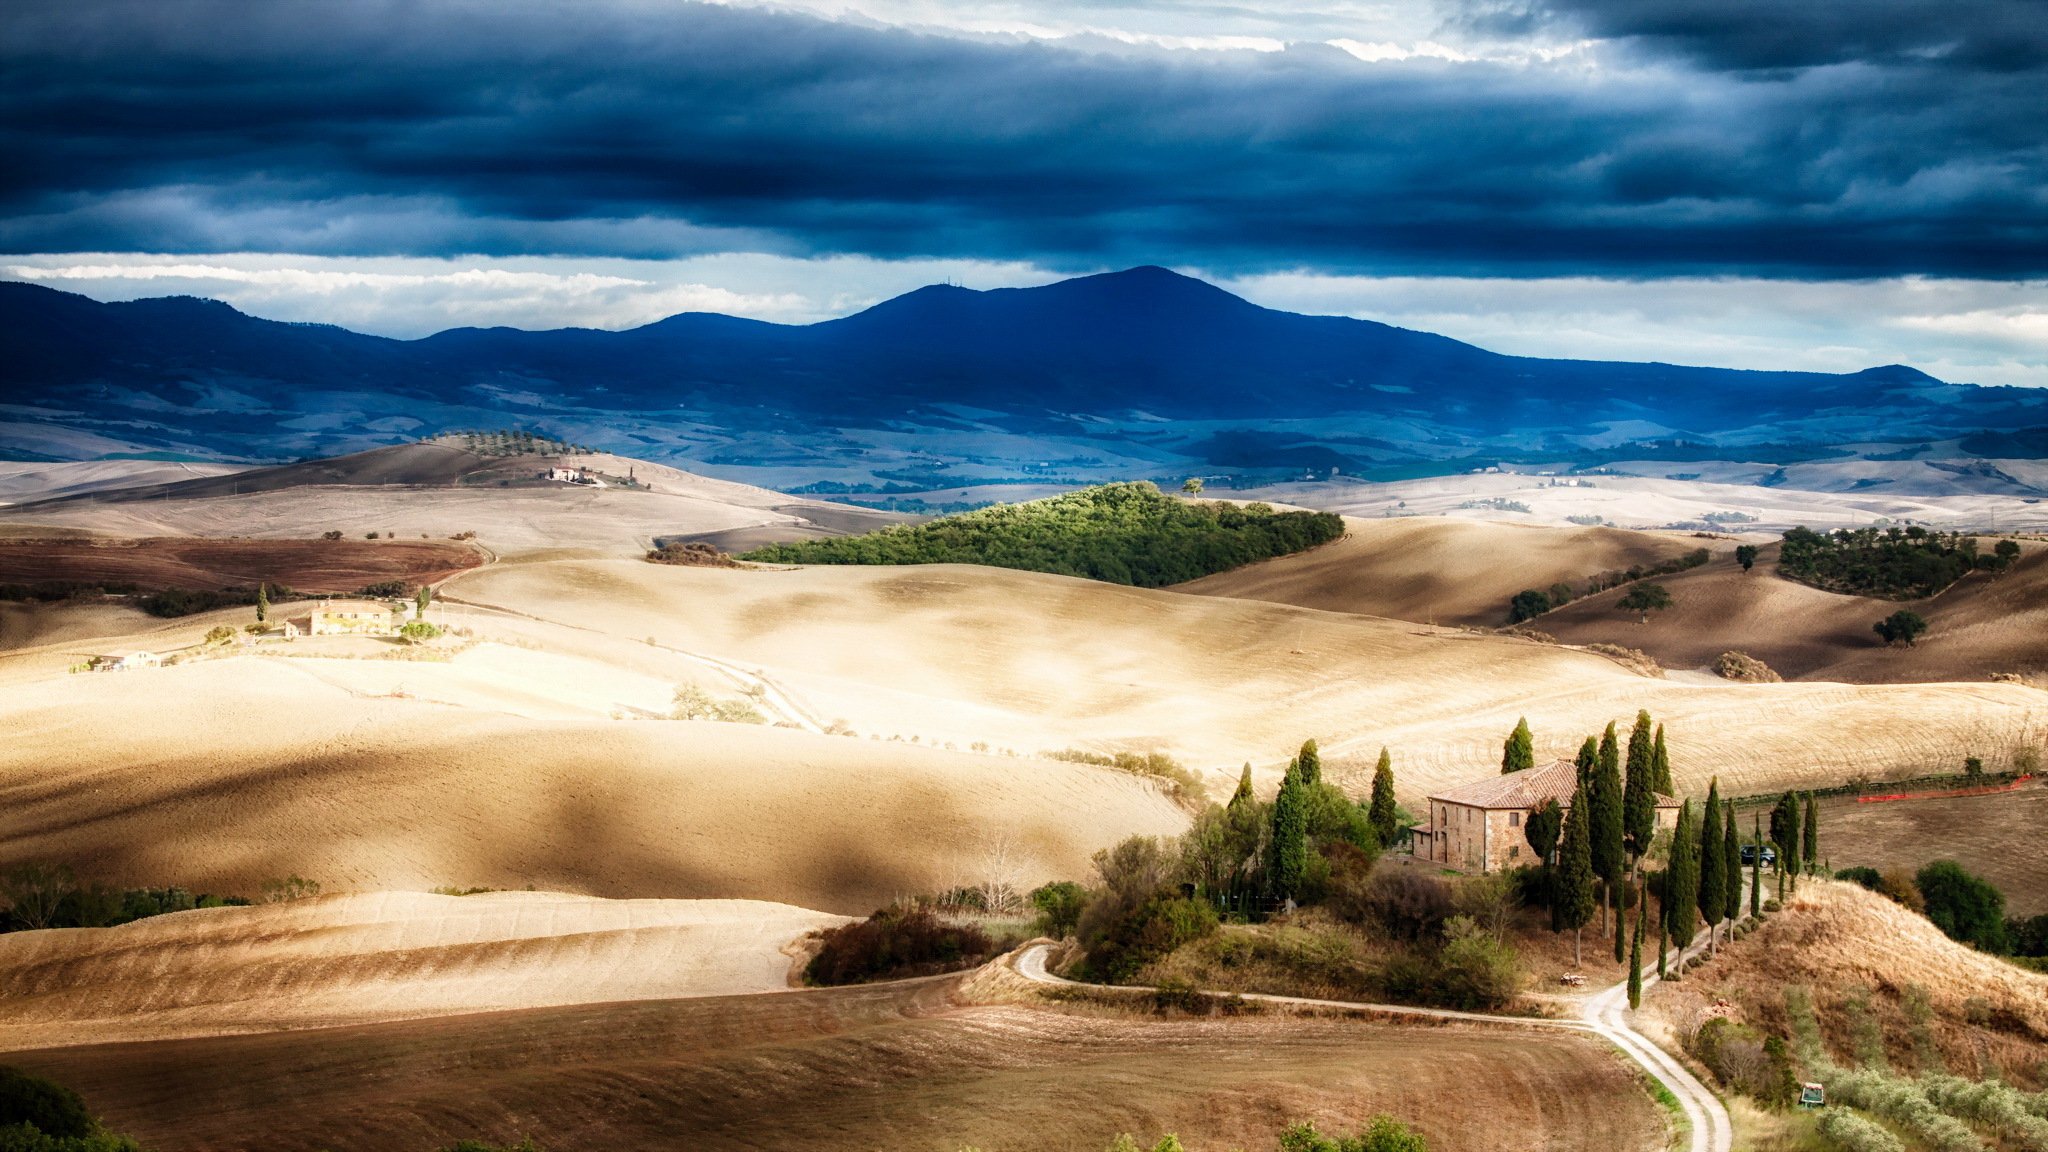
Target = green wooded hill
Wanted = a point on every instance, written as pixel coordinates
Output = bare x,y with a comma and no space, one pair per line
1896,564
1127,533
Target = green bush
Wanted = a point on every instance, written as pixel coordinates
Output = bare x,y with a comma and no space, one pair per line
1383,1134
1475,970
1059,907
1852,1133
26,1138
51,1108
1125,533
1157,927
1967,907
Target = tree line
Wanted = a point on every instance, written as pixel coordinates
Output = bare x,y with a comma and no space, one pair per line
1892,564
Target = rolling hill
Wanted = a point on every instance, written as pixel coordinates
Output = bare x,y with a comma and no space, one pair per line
1980,627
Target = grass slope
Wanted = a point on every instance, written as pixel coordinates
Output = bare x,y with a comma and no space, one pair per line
1128,533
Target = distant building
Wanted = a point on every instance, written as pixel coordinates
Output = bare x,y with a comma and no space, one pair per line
291,630
349,618
565,475
1478,827
134,660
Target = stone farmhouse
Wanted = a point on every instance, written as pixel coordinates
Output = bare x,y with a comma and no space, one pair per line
1478,827
350,618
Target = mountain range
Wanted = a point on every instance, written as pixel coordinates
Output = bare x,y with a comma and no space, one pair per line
1124,372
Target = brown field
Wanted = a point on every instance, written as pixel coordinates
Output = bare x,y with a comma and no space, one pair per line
225,773
903,1067
1983,625
337,960
1440,570
1033,662
438,490
1836,939
1993,836
158,562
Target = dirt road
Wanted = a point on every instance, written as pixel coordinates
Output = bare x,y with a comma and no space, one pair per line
1606,1014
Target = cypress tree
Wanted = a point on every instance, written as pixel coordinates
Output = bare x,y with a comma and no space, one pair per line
1713,868
1682,882
1588,759
1660,759
1635,949
425,597
1638,798
1573,905
1785,835
1731,863
1664,924
1309,764
1756,873
1619,892
1809,844
262,602
1381,814
1518,754
1605,798
1243,795
1290,835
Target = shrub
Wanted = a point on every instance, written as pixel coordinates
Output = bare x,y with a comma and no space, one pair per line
293,887
694,703
418,632
1059,907
1408,903
1476,970
53,1109
1868,877
331,534
1383,1134
895,942
1966,907
1155,929
690,554
1855,1134
1745,668
1898,884
1901,1101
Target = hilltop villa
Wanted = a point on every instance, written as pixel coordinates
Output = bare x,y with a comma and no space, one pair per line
350,618
1477,827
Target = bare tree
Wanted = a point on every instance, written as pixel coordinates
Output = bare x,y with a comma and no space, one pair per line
34,891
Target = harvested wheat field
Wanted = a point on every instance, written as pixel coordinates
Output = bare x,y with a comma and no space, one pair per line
903,1067
159,562
225,773
1995,836
336,960
1840,941
1981,626
438,491
1440,570
960,654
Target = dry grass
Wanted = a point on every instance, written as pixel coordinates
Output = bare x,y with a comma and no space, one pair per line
1439,570
338,960
900,1067
914,652
1840,940
225,773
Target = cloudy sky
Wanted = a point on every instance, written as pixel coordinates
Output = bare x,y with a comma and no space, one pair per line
1709,181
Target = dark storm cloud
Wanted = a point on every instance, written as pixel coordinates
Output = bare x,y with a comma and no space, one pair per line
1995,35
660,130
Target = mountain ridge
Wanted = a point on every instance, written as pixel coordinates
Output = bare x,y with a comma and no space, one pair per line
1055,362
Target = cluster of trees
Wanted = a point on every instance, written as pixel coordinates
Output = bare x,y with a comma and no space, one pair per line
41,895
1126,533
1530,603
1185,785
1893,563
49,591
511,442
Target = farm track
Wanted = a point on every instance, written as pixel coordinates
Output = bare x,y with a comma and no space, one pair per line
1605,1014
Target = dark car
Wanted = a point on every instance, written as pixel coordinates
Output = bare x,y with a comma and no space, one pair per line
1749,854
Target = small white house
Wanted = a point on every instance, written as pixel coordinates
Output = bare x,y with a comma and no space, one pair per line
291,630
134,660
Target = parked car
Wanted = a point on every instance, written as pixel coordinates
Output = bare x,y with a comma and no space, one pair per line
1749,854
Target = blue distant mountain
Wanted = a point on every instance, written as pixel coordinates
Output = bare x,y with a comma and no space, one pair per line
1143,364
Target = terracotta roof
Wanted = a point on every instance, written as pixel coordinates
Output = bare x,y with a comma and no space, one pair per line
1524,790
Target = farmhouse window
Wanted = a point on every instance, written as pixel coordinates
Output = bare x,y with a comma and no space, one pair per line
1514,819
